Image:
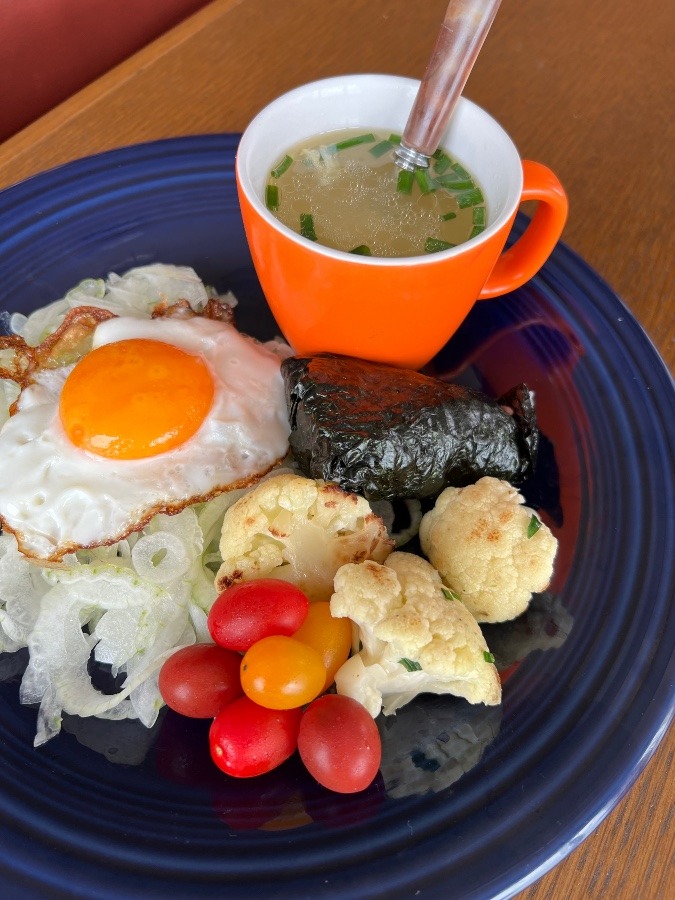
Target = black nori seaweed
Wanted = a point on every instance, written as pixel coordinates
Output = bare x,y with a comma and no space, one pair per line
385,432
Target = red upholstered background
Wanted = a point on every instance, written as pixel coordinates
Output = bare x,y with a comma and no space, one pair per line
49,49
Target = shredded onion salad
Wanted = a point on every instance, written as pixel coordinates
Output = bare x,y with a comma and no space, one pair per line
129,605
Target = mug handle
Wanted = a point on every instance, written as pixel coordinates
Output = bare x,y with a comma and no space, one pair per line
529,253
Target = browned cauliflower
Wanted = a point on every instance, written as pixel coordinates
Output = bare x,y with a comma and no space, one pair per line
415,638
490,550
300,530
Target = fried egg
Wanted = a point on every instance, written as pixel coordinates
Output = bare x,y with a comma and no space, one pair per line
161,413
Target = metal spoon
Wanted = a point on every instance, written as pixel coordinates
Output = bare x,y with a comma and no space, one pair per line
458,44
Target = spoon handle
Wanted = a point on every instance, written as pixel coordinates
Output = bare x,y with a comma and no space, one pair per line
462,33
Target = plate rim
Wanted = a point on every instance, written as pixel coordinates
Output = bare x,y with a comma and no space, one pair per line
184,145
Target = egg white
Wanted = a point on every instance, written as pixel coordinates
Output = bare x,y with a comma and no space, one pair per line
57,498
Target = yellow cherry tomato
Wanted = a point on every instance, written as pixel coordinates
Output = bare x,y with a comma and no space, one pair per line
329,636
279,672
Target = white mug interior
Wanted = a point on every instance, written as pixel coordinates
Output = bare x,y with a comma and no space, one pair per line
378,102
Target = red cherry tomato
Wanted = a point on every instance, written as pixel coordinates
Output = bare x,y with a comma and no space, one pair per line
198,681
329,636
251,610
281,673
246,739
339,744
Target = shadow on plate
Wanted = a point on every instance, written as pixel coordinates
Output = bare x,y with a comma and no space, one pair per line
426,747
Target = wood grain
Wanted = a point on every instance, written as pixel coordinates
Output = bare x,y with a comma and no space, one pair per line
584,87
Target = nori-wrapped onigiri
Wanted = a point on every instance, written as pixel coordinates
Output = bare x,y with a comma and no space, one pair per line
385,432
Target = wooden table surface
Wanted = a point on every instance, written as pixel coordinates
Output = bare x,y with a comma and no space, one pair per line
586,88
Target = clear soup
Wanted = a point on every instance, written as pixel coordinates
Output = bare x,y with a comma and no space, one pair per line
344,190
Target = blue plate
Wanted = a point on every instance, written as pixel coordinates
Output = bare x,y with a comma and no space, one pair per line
470,802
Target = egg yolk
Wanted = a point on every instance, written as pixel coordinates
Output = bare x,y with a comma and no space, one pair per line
135,398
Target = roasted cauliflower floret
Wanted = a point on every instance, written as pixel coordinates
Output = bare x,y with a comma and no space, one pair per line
300,530
492,551
415,637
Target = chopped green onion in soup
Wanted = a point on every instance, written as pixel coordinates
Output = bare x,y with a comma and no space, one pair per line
348,185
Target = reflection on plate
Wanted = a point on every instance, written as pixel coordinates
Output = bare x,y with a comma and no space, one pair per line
477,802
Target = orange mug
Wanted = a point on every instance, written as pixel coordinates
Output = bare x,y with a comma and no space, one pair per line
399,311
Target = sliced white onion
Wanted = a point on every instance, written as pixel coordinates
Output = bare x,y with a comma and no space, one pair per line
160,557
